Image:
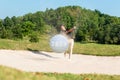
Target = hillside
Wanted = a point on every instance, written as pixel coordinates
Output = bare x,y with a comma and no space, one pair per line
91,25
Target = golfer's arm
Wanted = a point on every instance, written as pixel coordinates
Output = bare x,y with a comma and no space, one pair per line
70,30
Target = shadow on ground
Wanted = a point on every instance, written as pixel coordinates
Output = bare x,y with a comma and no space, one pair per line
40,53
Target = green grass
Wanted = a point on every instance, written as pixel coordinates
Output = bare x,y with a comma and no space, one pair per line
12,74
97,49
25,44
79,48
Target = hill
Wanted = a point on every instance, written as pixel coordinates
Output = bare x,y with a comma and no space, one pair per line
91,25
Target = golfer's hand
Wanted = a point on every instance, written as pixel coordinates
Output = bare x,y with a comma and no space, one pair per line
74,27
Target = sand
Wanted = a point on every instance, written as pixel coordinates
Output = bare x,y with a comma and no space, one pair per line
40,61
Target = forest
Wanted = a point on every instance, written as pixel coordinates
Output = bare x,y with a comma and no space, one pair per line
92,25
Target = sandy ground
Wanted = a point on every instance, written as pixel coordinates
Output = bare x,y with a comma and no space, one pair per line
34,61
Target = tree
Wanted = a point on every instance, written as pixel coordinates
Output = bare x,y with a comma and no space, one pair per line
8,23
91,25
17,32
27,27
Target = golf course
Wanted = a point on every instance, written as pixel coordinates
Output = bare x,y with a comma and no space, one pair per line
59,40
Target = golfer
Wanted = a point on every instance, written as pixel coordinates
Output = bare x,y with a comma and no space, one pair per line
70,35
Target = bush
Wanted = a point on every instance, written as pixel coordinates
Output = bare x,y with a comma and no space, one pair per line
34,38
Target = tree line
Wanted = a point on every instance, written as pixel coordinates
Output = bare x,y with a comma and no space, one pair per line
91,25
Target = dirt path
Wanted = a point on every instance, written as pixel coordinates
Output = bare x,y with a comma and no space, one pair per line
34,61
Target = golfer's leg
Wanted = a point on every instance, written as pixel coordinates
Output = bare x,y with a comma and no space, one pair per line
71,48
65,53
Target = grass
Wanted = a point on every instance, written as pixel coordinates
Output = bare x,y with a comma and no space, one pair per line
24,44
97,49
79,48
13,74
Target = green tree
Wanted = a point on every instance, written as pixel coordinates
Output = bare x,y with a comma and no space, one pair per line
17,32
27,27
8,23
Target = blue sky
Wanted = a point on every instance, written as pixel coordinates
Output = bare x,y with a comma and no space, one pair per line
20,7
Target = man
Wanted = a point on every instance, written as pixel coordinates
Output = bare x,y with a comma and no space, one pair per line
70,34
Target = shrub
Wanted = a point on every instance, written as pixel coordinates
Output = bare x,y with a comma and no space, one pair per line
33,38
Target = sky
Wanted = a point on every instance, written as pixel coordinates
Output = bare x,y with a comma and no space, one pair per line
21,7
